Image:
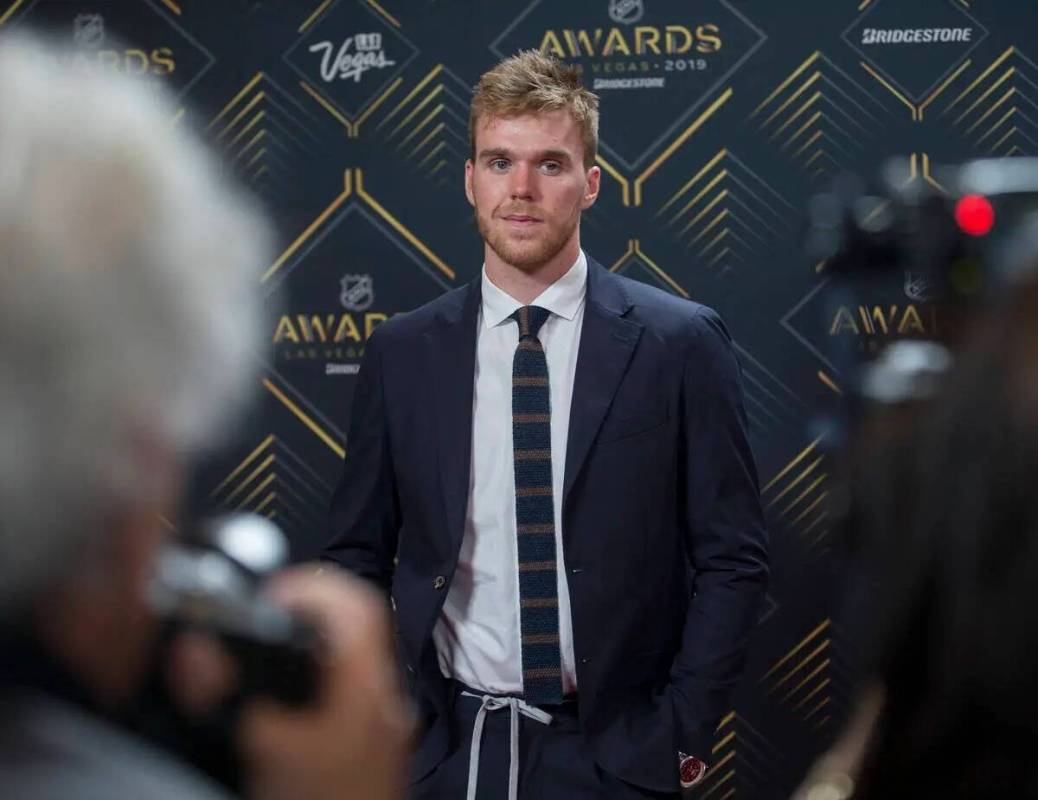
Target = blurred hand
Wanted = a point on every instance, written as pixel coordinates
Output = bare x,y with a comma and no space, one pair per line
353,743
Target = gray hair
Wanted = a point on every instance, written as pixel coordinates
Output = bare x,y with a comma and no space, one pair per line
128,302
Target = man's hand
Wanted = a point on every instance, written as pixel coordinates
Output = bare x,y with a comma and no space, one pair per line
353,742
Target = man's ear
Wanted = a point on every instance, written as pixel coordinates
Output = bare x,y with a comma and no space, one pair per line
593,182
469,166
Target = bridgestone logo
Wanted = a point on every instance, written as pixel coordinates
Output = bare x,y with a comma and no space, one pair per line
915,35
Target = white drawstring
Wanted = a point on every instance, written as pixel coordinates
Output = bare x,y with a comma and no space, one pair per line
515,707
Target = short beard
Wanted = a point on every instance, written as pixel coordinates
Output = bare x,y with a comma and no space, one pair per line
527,259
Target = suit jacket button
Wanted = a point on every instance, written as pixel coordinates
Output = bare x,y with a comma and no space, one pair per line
440,582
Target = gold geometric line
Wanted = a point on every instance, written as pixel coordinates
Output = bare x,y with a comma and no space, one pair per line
680,140
719,256
962,68
244,91
418,128
248,459
438,167
810,508
986,94
889,88
789,100
1013,151
817,154
266,502
811,694
252,124
378,101
813,485
817,708
796,114
727,795
800,457
10,11
710,226
425,101
863,5
982,76
659,270
327,107
803,663
998,124
252,496
429,137
810,60
814,118
821,265
172,6
252,141
818,519
315,15
399,228
723,742
260,172
799,150
991,110
301,415
807,679
625,185
272,515
338,201
393,20
821,722
721,154
727,757
704,211
257,157
713,182
421,84
715,241
431,153
829,381
626,254
728,776
250,478
1001,141
793,483
800,645
727,718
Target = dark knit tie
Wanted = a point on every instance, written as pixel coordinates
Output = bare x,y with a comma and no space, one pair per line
535,513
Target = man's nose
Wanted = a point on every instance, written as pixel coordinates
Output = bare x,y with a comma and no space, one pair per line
523,182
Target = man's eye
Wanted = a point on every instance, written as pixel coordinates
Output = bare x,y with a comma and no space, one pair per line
551,167
499,164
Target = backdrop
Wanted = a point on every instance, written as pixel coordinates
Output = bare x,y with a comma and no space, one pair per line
720,118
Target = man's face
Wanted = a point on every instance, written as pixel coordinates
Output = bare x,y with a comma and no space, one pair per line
528,185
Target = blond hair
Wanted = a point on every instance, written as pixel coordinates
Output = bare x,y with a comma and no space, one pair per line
533,83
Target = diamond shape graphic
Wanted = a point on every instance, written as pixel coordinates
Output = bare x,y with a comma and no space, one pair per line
350,55
352,273
915,45
127,35
652,71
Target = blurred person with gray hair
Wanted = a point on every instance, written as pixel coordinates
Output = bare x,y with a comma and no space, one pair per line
127,316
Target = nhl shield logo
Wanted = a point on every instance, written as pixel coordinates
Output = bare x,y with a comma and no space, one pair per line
358,292
88,30
626,12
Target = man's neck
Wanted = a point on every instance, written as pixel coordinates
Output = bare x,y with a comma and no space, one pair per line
525,285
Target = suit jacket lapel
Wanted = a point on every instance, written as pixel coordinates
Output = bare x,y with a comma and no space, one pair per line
451,364
607,341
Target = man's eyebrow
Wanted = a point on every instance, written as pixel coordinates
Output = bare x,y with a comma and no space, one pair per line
544,155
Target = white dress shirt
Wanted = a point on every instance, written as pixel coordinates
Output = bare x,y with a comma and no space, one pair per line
477,636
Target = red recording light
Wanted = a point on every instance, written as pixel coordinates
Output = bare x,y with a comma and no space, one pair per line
975,215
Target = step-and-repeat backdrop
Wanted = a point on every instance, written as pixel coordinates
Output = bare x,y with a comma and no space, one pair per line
720,119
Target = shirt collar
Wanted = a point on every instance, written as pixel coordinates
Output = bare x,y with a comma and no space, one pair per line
562,298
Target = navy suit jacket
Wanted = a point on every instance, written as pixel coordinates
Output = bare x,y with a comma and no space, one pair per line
664,541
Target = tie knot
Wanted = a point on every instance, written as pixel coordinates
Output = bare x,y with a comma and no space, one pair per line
530,319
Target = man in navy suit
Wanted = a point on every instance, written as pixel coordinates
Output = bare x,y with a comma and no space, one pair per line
548,473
